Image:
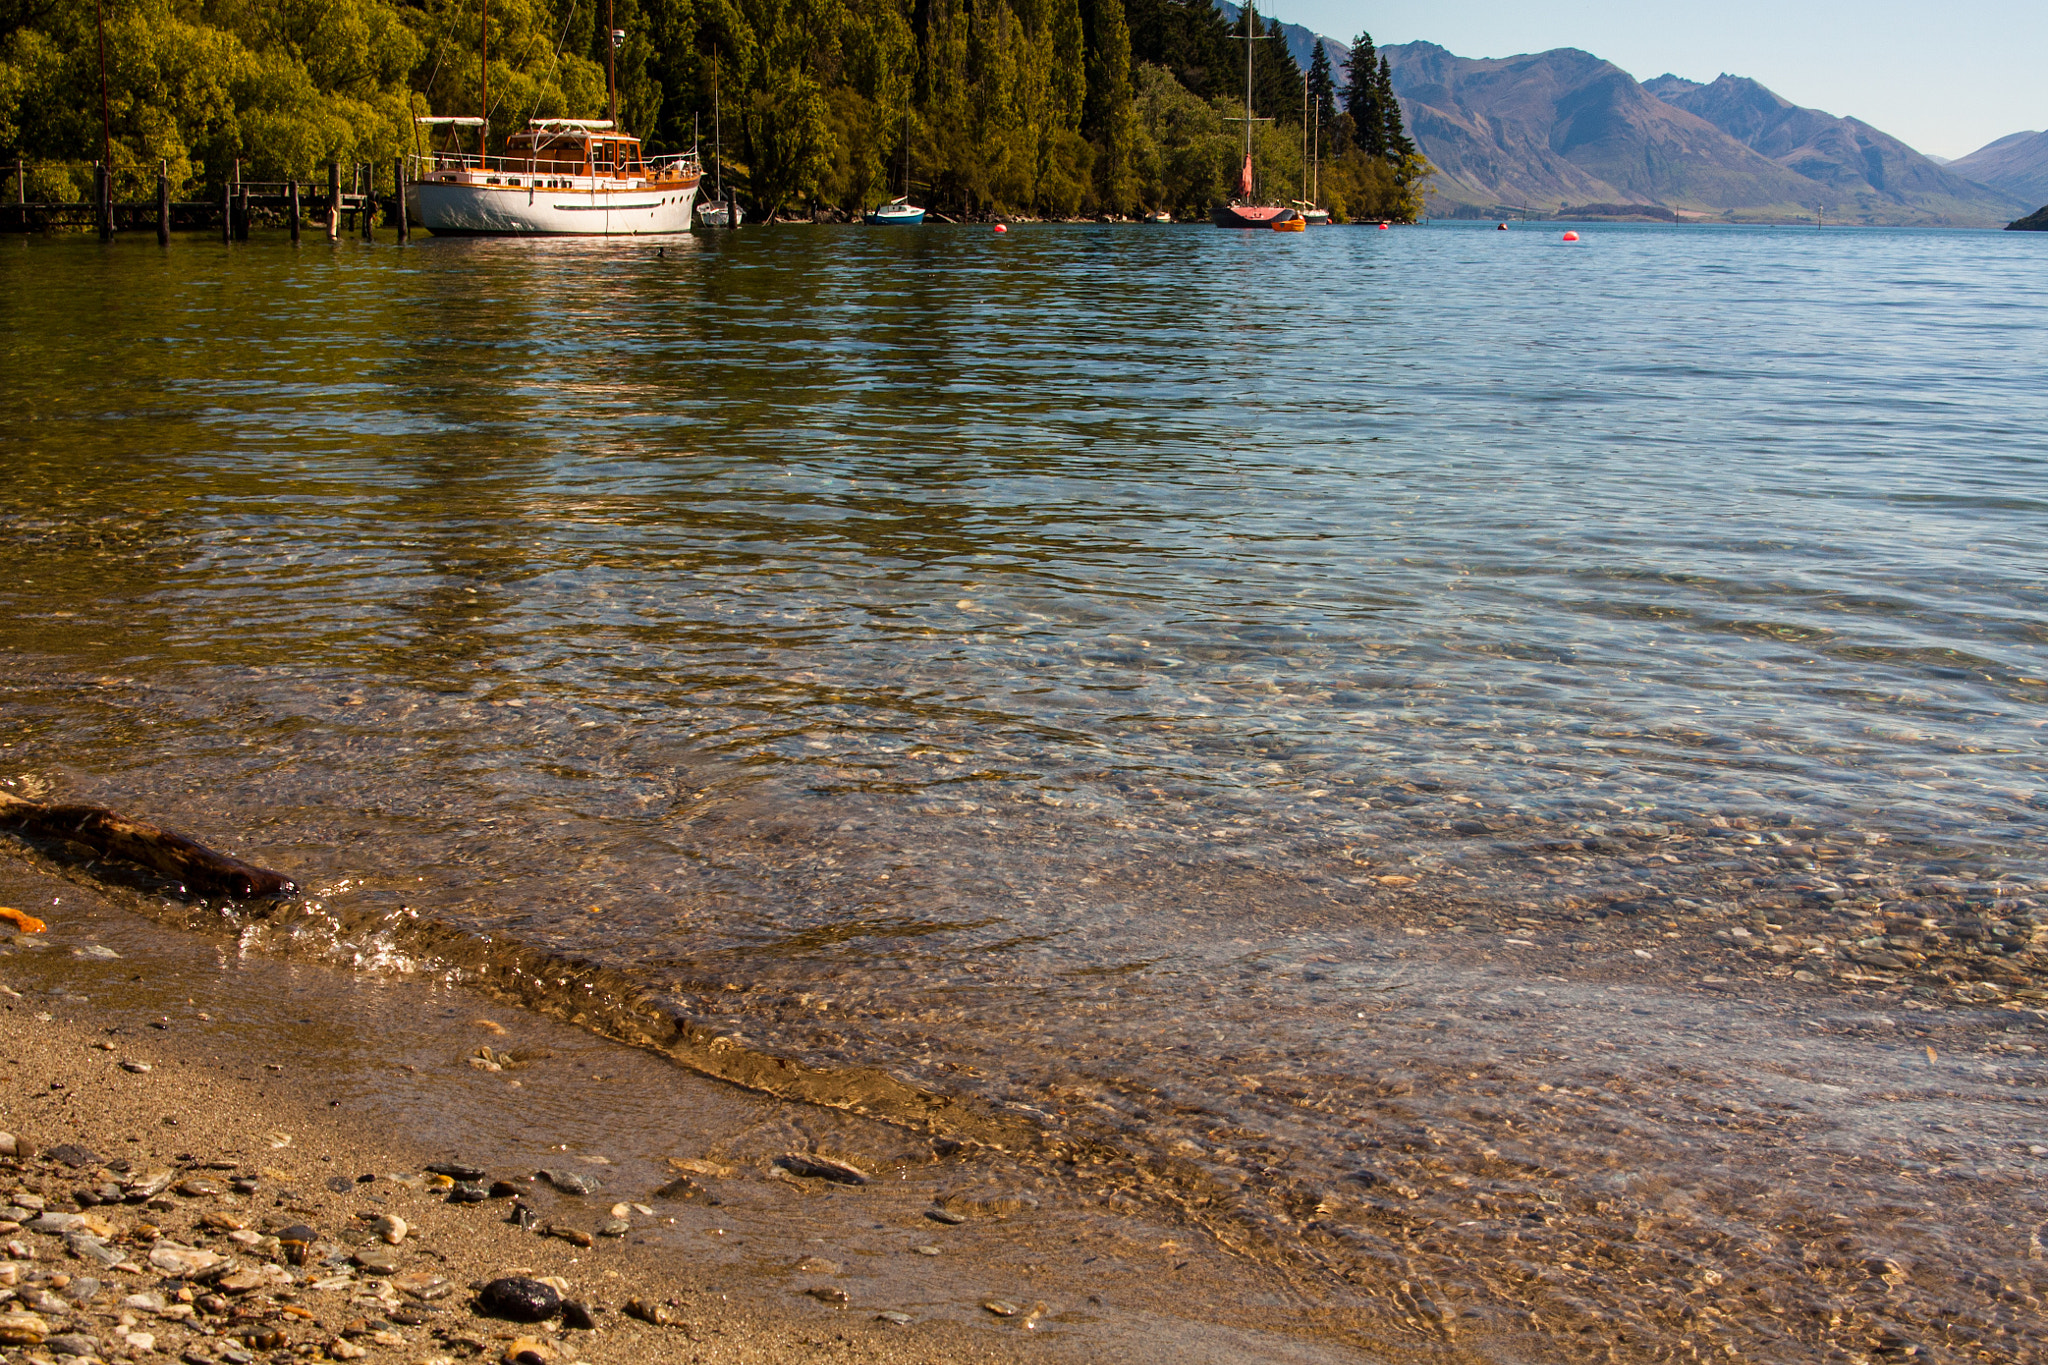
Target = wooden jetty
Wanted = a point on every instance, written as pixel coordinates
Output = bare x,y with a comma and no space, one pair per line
230,210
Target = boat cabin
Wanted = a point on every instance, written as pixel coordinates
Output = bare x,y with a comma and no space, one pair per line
576,147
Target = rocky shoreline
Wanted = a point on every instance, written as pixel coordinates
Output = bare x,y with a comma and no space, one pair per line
145,1221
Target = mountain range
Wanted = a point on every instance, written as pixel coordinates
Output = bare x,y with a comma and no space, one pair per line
1551,131
2017,164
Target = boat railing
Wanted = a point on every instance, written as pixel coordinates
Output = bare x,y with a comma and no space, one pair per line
537,164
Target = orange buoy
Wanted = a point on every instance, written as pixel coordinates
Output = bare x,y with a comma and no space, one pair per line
26,923
1571,236
1290,225
1001,228
1500,227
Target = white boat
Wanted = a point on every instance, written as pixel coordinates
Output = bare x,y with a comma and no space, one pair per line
897,212
1159,216
559,178
718,211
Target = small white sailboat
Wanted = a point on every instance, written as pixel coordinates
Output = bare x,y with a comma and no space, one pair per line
895,213
718,211
1313,157
898,212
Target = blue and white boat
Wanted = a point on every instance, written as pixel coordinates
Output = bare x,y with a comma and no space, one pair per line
896,213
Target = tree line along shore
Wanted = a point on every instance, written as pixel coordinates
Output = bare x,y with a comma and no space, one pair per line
1049,108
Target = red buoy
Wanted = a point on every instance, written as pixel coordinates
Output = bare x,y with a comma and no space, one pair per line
1571,236
1001,228
1383,227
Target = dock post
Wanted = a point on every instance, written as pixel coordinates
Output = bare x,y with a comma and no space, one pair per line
227,211
163,204
334,201
292,207
242,217
21,190
398,184
106,205
369,198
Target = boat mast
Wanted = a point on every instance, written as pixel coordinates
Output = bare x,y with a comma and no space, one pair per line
611,49
1304,136
483,98
1248,81
717,143
1315,195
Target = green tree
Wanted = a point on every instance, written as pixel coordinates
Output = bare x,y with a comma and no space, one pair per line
1322,94
1362,97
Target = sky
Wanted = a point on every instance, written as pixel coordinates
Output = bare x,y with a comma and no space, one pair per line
1944,78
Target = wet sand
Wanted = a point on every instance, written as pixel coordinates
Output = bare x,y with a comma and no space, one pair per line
297,1076
1600,1144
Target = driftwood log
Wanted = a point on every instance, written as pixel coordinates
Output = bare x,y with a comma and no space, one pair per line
184,860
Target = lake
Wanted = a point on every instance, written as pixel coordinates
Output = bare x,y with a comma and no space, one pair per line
1225,717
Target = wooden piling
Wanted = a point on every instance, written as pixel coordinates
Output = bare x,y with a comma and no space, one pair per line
398,186
242,217
21,190
334,201
163,205
104,184
292,207
369,199
227,211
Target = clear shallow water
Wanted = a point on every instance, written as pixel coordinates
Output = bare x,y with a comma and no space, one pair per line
987,660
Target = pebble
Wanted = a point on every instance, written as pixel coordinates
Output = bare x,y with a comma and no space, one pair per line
509,1189
198,1189
423,1285
99,951
520,1299
338,1349
456,1170
926,1251
569,1182
682,1187
617,1227
656,1314
53,1222
946,1216
72,1344
470,1193
818,1167
527,1351
148,1187
139,1068
829,1293
340,1184
22,1329
1002,1308
390,1227
575,1237
183,1262
578,1315
377,1260
81,1289
891,1315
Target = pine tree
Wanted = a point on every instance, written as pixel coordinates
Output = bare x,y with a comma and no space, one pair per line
1276,80
1322,94
1394,135
1362,97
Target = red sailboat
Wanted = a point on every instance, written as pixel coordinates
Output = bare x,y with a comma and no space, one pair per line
1241,212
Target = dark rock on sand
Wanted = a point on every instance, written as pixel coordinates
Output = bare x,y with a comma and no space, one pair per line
519,1299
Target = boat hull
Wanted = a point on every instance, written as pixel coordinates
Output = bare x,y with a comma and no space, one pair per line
713,213
881,218
576,209
1251,215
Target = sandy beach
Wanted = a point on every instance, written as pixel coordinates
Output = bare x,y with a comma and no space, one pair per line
186,1104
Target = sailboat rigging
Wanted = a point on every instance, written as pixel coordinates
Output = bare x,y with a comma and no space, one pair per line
1240,212
718,211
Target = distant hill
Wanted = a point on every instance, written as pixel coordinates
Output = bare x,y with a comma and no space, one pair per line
2037,221
1874,176
1548,129
2017,164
